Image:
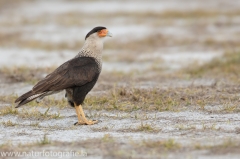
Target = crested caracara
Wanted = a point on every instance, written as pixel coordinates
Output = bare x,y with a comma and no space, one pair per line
77,76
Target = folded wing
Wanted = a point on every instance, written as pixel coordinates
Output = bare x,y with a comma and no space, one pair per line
75,72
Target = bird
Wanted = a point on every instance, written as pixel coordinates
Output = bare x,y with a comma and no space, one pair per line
76,76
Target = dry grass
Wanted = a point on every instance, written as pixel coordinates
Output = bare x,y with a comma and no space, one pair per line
171,99
169,14
8,110
8,98
227,146
169,144
226,67
29,113
147,44
134,99
14,39
8,123
146,128
25,73
107,147
143,127
75,18
226,44
110,147
44,140
36,114
150,43
37,44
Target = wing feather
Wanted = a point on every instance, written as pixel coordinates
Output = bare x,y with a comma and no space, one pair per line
75,72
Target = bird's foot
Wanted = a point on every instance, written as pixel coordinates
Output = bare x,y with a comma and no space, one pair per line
82,120
86,122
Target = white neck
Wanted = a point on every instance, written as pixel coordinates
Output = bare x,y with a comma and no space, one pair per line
92,47
94,44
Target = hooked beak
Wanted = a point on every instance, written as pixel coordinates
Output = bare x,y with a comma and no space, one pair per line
109,34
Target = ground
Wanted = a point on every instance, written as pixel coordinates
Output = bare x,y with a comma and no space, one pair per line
169,86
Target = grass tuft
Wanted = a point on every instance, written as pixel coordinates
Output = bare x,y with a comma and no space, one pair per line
44,141
169,144
36,114
8,123
107,138
8,98
171,99
145,128
9,110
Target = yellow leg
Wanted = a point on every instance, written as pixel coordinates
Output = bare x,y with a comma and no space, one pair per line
82,120
78,114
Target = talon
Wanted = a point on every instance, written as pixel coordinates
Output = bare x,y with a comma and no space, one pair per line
89,122
98,121
82,120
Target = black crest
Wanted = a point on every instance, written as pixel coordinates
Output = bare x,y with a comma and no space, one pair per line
94,30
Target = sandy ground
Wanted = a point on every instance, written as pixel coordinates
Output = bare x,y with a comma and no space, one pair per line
152,41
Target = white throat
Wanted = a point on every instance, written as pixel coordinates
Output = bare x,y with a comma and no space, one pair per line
92,47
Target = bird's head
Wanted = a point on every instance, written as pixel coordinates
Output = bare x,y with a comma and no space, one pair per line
100,32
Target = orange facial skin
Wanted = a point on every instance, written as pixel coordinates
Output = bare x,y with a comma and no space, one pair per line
103,33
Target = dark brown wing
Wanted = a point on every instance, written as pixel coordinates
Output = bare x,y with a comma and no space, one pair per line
75,72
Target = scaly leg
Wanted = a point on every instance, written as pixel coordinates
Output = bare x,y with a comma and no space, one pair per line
82,120
78,114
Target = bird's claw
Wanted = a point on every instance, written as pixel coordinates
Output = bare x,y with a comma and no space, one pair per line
89,122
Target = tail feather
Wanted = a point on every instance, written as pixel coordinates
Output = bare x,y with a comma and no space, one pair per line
24,96
27,97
